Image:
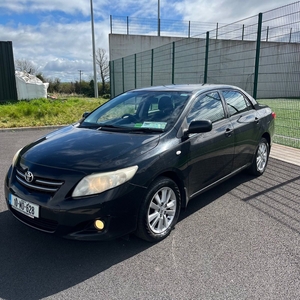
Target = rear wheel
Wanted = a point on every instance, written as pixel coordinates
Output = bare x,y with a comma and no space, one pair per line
261,157
159,211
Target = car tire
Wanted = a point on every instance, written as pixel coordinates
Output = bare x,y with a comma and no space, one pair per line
261,158
159,211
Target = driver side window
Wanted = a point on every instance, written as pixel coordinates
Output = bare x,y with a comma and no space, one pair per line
207,107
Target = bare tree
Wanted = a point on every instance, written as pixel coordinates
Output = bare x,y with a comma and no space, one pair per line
102,62
24,65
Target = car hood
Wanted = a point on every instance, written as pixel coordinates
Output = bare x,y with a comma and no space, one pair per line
88,150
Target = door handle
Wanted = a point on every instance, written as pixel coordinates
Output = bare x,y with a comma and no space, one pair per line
228,132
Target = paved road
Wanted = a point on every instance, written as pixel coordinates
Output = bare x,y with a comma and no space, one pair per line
238,241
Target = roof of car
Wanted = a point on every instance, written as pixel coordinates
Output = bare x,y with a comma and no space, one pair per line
186,87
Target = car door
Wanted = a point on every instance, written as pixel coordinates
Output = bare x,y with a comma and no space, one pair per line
211,153
245,121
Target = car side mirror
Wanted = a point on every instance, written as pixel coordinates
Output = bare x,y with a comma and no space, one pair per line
85,114
197,127
200,126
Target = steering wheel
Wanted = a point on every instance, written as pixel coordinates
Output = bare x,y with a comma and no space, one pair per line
130,117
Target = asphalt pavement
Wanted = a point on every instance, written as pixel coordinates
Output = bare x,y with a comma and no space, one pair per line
240,240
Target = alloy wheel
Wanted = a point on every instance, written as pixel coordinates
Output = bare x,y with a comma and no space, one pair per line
162,210
262,157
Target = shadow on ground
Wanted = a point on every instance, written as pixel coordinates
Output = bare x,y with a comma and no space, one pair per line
36,265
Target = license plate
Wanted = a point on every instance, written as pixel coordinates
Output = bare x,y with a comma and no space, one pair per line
25,207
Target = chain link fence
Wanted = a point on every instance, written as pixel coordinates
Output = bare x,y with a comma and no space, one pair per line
260,54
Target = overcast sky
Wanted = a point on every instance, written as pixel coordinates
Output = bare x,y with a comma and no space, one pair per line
56,35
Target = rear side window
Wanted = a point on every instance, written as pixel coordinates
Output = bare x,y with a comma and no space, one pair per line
207,107
236,102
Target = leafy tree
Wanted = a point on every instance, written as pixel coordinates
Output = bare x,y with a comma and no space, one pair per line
87,89
41,77
57,85
67,87
54,85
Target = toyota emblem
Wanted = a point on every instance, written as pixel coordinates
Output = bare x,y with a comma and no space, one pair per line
29,176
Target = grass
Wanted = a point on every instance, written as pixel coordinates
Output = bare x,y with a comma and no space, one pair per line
287,123
43,112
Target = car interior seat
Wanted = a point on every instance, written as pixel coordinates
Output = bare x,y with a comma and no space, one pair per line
165,105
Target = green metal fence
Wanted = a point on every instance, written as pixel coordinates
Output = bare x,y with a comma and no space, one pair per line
260,54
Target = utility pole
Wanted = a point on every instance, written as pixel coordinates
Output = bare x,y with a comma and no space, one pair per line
94,51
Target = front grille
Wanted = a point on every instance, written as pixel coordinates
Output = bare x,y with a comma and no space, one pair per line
39,184
39,223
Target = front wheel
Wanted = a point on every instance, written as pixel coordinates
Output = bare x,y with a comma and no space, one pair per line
159,211
261,157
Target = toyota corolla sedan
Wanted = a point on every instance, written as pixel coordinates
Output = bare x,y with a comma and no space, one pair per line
135,162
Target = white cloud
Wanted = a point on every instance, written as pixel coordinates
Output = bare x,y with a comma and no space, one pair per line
68,6
68,70
59,39
223,11
48,42
61,65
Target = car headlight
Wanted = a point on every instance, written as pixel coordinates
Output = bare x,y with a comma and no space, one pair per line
100,182
14,160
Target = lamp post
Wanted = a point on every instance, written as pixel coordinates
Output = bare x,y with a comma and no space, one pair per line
94,52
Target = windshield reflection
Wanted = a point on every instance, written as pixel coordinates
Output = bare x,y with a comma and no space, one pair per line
139,111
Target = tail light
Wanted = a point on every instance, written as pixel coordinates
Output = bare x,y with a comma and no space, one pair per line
273,115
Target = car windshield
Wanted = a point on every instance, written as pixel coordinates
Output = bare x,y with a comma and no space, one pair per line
139,111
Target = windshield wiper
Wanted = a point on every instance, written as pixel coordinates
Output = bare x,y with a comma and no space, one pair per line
145,129
110,127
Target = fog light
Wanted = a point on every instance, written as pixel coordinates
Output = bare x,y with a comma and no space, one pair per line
99,224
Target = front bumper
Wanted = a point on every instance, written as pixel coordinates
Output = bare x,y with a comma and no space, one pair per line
74,218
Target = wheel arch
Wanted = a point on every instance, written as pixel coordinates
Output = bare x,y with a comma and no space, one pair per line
175,177
147,221
267,136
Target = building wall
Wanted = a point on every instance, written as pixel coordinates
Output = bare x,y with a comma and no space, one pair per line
122,45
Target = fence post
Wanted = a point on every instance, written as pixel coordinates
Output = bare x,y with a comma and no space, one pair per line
152,54
127,20
110,19
123,79
173,63
113,93
189,32
158,27
135,70
110,78
258,39
206,57
243,32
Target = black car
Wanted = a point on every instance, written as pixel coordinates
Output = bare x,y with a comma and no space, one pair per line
133,163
